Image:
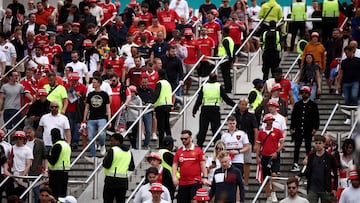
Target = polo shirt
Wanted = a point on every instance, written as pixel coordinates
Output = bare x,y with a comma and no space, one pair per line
272,143
188,161
58,94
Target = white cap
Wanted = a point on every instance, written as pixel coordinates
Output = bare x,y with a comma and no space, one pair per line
68,199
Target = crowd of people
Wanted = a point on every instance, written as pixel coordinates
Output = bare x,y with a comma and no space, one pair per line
74,66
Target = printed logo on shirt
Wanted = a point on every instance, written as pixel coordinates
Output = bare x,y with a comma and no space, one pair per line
96,101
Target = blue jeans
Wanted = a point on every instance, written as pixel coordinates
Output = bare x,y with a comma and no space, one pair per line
94,126
147,119
8,113
351,91
74,126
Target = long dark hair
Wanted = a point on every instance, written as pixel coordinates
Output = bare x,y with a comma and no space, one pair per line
346,143
61,66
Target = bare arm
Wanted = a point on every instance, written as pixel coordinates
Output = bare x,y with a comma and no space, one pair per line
39,131
65,104
27,167
86,111
68,135
174,170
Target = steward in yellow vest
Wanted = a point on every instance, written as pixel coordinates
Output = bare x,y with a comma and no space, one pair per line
117,162
298,15
210,97
330,16
59,164
163,104
227,49
255,95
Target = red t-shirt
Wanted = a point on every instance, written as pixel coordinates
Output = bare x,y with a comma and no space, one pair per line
205,45
286,88
235,31
42,18
153,78
30,85
49,9
134,75
108,9
192,47
79,88
117,64
167,19
272,142
147,33
44,80
133,29
116,99
213,27
189,163
50,51
145,17
41,40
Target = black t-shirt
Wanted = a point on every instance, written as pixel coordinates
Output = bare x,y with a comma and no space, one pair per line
351,69
205,8
97,104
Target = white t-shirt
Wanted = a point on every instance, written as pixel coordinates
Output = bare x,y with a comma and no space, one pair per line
129,62
145,195
212,171
30,144
9,50
181,7
94,60
7,148
21,154
279,122
48,122
254,15
79,67
104,87
237,140
97,12
40,59
350,195
126,50
161,201
297,199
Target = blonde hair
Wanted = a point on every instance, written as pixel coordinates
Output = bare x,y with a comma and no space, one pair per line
215,153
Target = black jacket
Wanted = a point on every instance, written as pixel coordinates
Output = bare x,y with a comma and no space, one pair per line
330,166
305,117
26,26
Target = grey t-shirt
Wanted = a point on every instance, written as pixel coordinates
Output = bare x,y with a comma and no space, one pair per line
12,95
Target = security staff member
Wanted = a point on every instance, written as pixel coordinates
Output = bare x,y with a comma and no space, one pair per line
298,15
330,15
210,98
58,164
301,46
255,96
227,49
271,45
165,152
117,162
163,104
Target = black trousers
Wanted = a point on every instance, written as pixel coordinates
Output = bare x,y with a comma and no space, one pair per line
187,192
207,116
271,61
133,136
296,25
298,141
163,123
110,193
58,181
225,71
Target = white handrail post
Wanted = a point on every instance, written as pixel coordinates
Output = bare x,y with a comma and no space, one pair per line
248,71
139,129
338,136
234,79
184,114
353,119
95,182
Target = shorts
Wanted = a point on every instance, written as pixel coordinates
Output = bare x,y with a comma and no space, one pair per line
247,155
270,165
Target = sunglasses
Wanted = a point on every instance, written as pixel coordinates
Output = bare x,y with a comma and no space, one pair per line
54,107
17,138
303,92
184,138
219,148
292,188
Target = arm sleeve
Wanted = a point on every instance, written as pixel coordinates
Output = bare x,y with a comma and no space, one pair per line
168,158
225,97
108,159
227,49
157,92
55,153
131,165
252,96
198,102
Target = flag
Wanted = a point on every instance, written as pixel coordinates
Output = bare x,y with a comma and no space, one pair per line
259,174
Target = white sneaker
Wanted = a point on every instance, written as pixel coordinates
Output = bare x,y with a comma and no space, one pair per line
90,159
347,121
97,147
273,197
102,150
269,200
154,136
295,168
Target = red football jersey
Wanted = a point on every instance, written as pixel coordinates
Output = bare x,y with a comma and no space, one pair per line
148,35
153,78
50,51
117,64
145,17
109,10
192,48
205,45
235,31
133,29
41,40
168,18
213,27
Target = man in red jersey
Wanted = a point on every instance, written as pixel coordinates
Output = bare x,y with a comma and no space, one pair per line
190,159
236,29
41,15
144,15
76,95
51,49
30,85
47,7
151,74
42,38
214,29
134,74
167,17
269,143
116,62
193,50
206,47
142,31
109,11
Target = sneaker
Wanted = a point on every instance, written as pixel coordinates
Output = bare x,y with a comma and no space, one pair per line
90,159
295,168
142,136
102,150
273,197
154,136
347,121
98,147
269,200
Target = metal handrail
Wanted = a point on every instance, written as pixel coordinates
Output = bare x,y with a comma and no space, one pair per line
261,188
16,65
188,74
135,190
37,178
89,178
97,135
14,116
352,129
4,181
15,127
330,118
307,19
292,66
343,24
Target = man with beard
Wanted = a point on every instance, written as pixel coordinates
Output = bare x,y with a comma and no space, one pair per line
351,194
76,37
293,186
79,67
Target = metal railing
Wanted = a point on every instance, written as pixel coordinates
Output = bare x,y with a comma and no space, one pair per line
135,190
352,130
16,65
330,118
292,67
265,181
37,178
